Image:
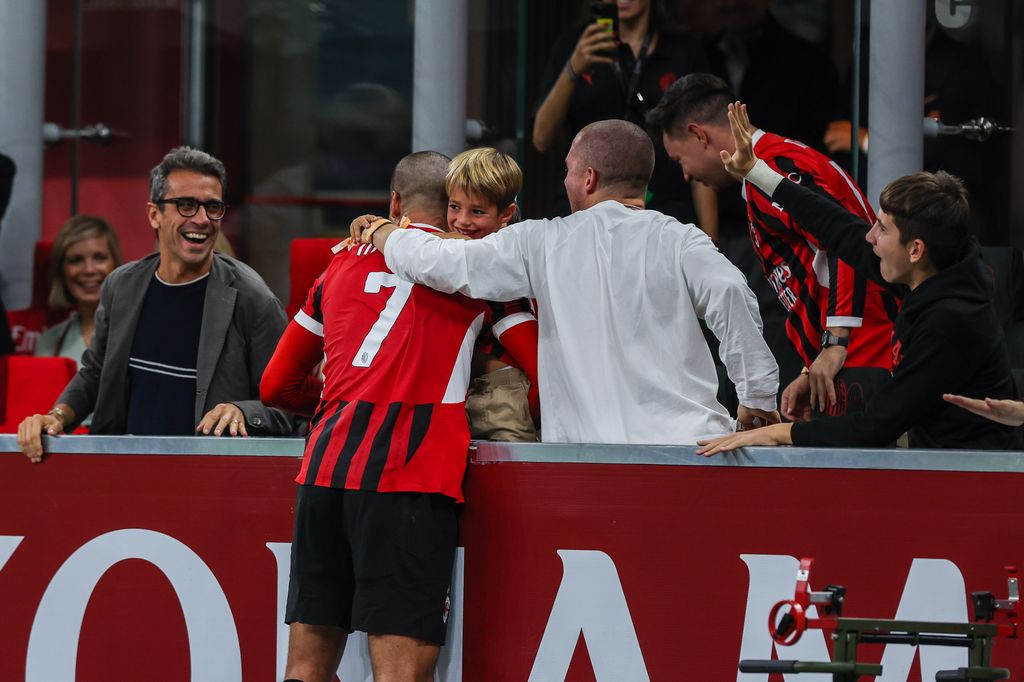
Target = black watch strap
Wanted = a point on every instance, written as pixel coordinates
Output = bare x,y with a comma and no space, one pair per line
830,339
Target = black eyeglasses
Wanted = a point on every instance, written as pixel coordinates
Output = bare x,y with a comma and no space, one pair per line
189,206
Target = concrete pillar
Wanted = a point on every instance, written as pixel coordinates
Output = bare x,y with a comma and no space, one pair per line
896,92
22,76
439,76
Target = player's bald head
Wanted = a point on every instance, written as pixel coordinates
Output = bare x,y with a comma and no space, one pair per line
621,153
419,180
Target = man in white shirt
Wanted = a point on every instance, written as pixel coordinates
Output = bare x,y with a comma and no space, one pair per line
619,291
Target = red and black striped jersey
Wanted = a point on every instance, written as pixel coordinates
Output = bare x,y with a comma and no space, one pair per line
512,339
817,291
392,415
509,317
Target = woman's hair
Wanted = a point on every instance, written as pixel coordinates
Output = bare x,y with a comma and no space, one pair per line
73,231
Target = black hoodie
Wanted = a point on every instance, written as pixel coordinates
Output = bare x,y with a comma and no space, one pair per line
946,339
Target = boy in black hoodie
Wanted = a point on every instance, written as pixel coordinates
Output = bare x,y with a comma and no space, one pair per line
946,338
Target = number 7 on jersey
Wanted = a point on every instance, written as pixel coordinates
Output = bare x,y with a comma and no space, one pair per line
375,281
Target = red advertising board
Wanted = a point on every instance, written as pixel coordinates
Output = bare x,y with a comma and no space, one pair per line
171,567
223,509
689,543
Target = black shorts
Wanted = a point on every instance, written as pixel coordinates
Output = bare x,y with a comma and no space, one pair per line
376,562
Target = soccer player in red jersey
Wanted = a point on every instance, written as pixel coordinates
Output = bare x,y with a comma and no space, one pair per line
620,290
386,452
838,322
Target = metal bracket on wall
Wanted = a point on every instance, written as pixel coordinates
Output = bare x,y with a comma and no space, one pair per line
979,129
99,133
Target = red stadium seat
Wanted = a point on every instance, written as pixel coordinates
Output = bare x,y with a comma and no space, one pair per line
309,257
30,385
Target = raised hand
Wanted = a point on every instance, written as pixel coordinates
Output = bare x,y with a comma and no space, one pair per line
742,160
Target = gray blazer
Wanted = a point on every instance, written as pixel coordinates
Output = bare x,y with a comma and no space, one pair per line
242,322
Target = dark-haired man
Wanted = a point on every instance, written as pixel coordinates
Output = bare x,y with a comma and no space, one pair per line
946,338
620,289
182,335
836,321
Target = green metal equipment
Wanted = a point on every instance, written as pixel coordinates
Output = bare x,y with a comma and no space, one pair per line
789,619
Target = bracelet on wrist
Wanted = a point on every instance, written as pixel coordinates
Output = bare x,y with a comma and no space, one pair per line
367,237
573,76
60,414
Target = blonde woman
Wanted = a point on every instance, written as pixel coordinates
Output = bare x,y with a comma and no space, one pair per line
85,251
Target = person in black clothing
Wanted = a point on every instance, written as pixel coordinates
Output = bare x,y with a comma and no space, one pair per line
594,75
946,338
790,82
7,169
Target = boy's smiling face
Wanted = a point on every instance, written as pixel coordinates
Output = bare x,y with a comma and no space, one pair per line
473,215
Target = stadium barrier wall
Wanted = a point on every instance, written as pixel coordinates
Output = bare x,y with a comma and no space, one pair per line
167,558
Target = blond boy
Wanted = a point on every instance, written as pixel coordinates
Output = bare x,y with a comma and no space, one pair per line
503,401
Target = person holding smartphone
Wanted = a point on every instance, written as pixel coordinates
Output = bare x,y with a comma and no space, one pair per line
595,74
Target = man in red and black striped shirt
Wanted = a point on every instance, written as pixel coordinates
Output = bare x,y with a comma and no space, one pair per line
386,452
838,322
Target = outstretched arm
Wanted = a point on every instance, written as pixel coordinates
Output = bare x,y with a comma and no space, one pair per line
1009,412
776,434
841,232
493,268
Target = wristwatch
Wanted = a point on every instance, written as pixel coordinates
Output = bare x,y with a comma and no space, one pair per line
59,413
830,339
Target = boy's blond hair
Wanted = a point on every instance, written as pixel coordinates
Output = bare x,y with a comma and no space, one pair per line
486,171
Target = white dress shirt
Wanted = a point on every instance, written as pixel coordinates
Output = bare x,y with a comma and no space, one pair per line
619,291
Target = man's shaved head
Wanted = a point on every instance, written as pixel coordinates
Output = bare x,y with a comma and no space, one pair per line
419,180
621,153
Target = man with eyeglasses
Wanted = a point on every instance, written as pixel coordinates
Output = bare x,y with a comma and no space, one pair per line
182,335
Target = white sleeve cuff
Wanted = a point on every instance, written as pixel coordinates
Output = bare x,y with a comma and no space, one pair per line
308,323
506,323
852,322
397,252
764,178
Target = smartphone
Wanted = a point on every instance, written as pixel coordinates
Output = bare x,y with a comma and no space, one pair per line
606,14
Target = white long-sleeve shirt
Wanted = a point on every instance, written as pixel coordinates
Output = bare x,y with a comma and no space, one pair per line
621,358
